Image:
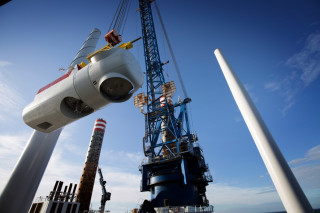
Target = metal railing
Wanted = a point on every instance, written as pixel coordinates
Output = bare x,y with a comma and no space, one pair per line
182,209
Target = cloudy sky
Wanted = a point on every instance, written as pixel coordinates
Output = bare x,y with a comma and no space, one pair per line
274,46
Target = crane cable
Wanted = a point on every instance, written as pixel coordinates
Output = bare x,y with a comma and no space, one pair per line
125,20
184,91
172,54
120,15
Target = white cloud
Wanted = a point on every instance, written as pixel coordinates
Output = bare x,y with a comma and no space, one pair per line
307,172
115,158
307,168
273,86
238,119
12,101
227,198
287,106
307,61
311,155
119,170
308,176
124,184
223,193
66,164
232,198
11,146
4,64
288,88
305,69
124,188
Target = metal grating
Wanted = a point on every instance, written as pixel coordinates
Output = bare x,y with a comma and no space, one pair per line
168,89
139,100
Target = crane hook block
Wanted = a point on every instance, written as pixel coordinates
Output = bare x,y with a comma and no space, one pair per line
113,37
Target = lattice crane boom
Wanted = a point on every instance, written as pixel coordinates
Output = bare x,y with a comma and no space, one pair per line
160,118
175,171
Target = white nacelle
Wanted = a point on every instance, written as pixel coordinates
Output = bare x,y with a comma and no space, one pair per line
112,77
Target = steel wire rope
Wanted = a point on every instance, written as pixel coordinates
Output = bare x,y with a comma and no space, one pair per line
175,64
172,54
137,35
117,20
114,16
165,68
125,20
119,12
125,14
121,15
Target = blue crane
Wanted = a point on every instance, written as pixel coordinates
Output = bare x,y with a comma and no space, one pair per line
175,171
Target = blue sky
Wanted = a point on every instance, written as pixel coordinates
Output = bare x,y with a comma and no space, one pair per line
274,46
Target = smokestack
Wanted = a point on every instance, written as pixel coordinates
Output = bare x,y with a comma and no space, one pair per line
90,166
73,193
53,191
58,190
69,190
63,196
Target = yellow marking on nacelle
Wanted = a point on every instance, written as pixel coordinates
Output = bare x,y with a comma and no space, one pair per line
126,46
104,48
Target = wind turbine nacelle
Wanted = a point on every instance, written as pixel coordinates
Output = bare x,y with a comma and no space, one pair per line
112,77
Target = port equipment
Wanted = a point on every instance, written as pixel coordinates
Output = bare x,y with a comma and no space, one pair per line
86,184
105,195
175,171
58,201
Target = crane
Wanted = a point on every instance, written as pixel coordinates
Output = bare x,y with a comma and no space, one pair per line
175,171
105,195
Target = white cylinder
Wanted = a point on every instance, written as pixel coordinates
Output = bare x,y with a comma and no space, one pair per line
88,47
289,190
23,183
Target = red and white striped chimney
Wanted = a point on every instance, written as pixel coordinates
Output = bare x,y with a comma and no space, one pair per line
90,166
100,125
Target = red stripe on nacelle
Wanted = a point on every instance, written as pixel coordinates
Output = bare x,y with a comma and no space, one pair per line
54,82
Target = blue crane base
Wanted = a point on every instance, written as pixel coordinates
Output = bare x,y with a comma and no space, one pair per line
180,181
